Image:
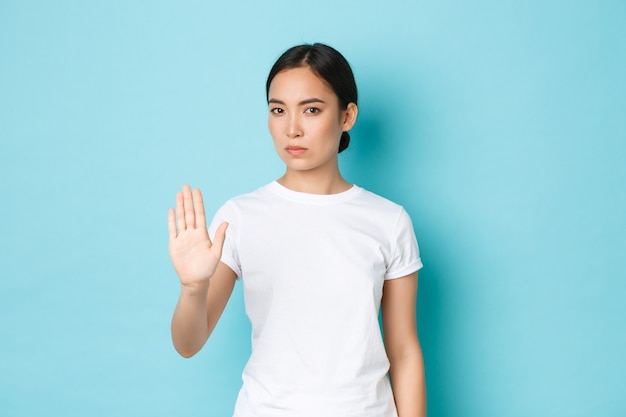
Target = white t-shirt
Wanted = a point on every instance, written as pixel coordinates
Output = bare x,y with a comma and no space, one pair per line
313,268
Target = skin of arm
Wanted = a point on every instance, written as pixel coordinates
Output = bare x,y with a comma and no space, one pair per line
198,309
206,283
406,369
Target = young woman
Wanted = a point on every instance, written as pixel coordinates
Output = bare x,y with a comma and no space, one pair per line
318,258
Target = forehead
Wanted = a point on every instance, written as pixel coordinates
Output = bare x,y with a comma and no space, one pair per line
298,84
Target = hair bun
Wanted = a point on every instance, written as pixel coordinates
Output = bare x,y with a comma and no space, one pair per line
344,141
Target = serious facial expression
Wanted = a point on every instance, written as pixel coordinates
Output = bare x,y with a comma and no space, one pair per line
305,120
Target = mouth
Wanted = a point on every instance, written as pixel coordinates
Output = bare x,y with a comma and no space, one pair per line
295,150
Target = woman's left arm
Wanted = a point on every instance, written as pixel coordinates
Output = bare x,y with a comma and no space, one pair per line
402,344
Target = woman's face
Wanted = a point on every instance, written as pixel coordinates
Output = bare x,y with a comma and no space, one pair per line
305,120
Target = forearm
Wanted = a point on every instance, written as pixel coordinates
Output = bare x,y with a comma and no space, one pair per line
190,329
409,385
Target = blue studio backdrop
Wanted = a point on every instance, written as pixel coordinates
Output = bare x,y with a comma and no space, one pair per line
500,126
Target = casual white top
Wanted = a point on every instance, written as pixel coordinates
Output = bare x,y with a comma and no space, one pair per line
313,268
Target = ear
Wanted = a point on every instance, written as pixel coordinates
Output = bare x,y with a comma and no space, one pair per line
349,117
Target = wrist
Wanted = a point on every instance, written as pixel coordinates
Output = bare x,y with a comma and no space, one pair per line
194,289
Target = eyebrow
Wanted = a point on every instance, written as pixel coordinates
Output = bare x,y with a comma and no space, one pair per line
302,103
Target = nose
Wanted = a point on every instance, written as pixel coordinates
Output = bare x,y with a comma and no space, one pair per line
294,129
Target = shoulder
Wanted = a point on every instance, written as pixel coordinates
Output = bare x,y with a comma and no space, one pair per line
231,209
246,199
378,200
393,215
379,205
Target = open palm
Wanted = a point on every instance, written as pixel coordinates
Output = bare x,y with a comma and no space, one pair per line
193,255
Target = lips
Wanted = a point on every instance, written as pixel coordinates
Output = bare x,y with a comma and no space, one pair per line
295,150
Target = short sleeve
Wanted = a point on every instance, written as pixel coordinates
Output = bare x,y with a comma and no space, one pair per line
405,258
230,256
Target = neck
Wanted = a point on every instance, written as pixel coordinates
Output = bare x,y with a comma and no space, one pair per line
314,183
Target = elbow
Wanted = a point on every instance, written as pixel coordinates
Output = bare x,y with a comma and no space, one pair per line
409,355
186,346
409,350
186,353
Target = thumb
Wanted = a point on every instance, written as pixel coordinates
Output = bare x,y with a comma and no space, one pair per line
220,236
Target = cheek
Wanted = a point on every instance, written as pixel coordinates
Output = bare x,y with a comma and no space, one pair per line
331,129
274,129
271,125
326,127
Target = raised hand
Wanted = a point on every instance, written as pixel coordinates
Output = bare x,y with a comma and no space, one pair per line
193,255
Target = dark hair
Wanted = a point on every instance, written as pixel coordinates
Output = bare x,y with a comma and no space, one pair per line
328,64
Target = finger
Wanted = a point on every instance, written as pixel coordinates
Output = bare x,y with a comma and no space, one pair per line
180,212
199,208
220,236
171,224
190,217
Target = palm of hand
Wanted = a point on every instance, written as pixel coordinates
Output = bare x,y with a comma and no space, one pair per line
193,255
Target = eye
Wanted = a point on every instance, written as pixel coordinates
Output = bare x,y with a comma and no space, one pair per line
277,110
312,110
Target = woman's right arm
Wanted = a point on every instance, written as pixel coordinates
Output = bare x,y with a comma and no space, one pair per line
206,283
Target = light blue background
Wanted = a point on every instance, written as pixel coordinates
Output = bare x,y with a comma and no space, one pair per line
499,125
